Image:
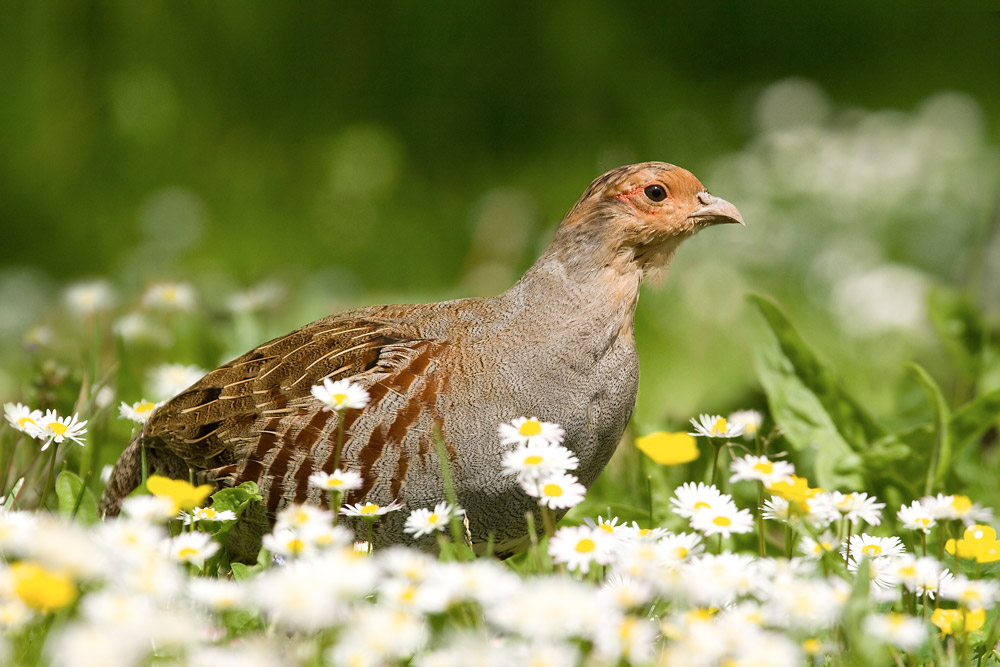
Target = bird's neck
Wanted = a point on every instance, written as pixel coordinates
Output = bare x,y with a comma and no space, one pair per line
584,280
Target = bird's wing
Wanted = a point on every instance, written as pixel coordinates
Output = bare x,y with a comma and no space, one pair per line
220,419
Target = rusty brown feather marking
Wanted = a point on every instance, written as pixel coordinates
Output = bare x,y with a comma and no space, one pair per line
402,381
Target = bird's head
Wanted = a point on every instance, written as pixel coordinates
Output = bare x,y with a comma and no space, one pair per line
641,212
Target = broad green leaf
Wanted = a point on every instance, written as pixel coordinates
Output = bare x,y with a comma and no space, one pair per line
804,420
958,323
972,419
236,498
940,458
75,499
856,425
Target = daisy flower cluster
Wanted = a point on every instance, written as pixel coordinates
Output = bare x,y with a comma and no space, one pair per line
48,427
160,583
540,463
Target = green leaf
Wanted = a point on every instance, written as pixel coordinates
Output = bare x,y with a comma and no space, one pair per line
804,421
940,459
958,323
236,498
75,499
856,425
241,571
972,419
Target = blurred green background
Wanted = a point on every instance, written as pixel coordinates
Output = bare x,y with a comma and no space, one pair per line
355,153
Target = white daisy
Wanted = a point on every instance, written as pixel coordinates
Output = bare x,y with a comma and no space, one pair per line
858,507
874,547
681,546
424,521
558,491
578,547
192,548
902,631
715,426
532,461
635,532
609,526
370,510
530,431
724,520
86,298
761,469
288,542
54,428
304,517
138,411
750,420
167,297
340,395
338,480
816,548
881,573
914,573
817,511
916,516
689,498
957,507
971,593
207,514
218,594
152,509
22,417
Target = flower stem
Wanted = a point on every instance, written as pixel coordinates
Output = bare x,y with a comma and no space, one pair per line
761,546
340,440
51,477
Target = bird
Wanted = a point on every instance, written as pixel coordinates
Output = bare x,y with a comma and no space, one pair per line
558,346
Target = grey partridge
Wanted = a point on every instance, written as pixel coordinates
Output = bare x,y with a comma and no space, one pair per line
558,345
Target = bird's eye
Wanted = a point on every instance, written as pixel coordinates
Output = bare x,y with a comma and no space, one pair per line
655,192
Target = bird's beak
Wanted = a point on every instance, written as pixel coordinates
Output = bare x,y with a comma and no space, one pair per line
715,210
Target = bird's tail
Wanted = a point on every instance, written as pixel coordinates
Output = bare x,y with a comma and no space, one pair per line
126,476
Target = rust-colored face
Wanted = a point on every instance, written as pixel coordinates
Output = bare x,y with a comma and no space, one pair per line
648,208
670,199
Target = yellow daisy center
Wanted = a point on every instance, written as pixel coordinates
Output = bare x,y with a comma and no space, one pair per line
812,646
720,426
143,407
553,490
207,513
722,521
433,519
961,504
607,527
187,552
58,428
585,545
680,552
169,293
295,545
370,508
764,467
530,427
339,398
701,504
923,521
25,420
871,550
533,460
